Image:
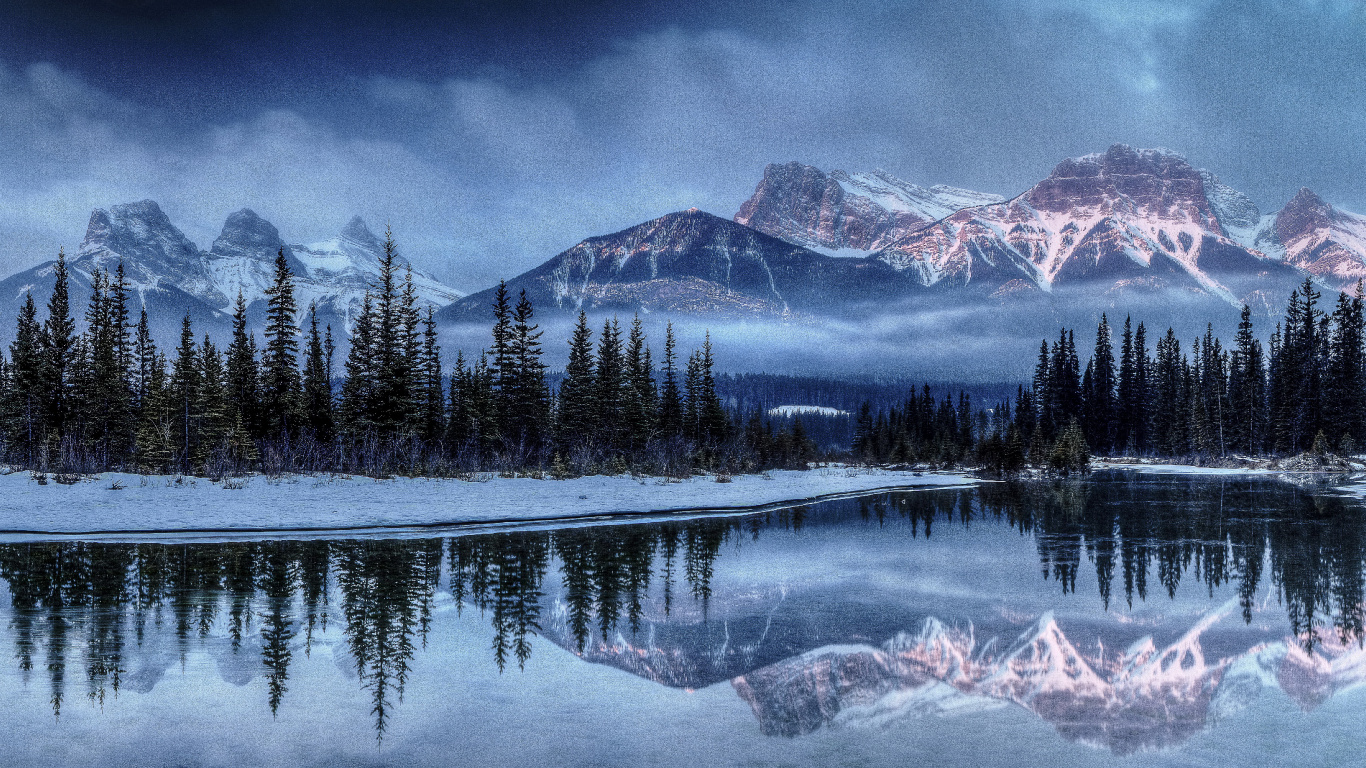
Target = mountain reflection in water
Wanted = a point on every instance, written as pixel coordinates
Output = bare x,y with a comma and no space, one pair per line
645,598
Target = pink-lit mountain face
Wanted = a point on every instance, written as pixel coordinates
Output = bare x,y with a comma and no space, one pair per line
1125,219
1322,240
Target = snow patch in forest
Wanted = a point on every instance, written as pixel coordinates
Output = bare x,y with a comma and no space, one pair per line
788,411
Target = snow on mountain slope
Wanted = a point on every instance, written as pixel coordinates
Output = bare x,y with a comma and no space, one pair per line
1124,218
341,269
1146,697
161,263
1324,241
846,214
691,262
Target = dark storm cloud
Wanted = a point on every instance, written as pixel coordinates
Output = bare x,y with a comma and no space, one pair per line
492,135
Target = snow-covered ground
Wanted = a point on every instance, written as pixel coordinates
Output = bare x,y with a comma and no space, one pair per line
169,504
1183,469
788,411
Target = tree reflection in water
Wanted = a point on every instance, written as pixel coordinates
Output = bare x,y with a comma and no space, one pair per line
91,601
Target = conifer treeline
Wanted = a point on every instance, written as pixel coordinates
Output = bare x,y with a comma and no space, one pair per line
107,398
1305,392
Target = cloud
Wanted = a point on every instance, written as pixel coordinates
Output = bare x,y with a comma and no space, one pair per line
488,171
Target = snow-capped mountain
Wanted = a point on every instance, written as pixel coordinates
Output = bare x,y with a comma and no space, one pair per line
172,275
691,262
1122,219
847,214
800,671
1108,229
1311,234
1142,698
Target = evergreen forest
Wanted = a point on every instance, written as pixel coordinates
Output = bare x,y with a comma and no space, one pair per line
102,396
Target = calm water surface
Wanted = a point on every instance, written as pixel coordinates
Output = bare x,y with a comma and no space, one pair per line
1134,620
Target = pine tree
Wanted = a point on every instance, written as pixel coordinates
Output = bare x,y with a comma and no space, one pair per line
359,385
317,387
410,371
432,386
670,400
459,421
530,401
1247,390
1100,404
280,384
144,358
1169,397
611,386
216,424
1142,395
1345,385
26,417
243,373
58,336
578,403
1124,393
156,417
640,406
715,423
186,390
504,361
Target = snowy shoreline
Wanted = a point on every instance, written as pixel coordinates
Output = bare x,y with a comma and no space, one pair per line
190,507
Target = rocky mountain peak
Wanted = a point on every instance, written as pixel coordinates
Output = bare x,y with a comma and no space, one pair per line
357,232
847,212
1305,213
137,232
1156,181
247,234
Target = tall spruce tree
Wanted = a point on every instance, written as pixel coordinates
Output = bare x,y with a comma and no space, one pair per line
640,406
1345,388
577,413
359,384
280,383
530,400
317,388
432,386
670,399
243,373
186,384
26,417
58,337
1100,405
1124,393
1247,390
611,385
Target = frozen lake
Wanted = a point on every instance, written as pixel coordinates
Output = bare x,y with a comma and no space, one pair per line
1135,618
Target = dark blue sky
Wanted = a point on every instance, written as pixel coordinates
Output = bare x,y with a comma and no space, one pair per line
494,135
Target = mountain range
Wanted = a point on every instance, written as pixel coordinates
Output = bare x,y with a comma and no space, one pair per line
1105,231
800,671
1125,223
172,276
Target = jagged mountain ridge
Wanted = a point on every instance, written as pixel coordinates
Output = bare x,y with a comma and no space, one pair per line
172,276
847,214
1102,230
1120,220
692,262
799,673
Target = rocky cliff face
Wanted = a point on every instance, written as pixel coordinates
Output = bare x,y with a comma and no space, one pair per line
843,212
1316,237
691,263
799,673
1124,219
172,276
